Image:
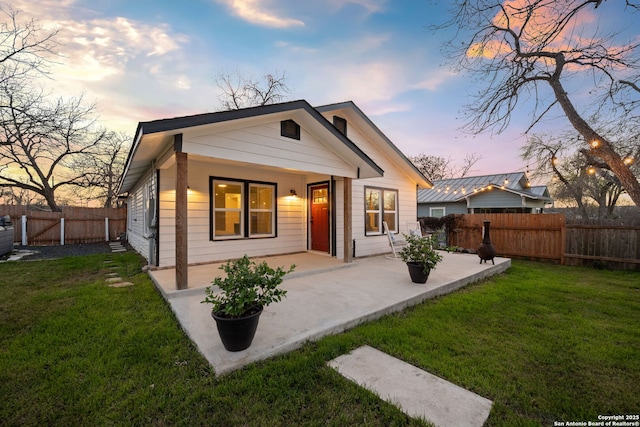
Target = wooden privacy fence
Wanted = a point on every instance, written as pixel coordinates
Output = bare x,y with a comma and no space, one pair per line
513,235
72,225
613,243
609,242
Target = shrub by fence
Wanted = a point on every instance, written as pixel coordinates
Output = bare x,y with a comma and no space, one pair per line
612,243
81,225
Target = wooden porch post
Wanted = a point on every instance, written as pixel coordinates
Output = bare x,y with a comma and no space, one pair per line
348,220
181,215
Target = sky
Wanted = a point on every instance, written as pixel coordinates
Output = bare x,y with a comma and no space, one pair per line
145,60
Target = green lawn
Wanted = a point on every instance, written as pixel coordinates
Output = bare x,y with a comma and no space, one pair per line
545,343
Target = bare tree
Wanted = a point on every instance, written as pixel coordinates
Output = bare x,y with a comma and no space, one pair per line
436,168
45,144
25,47
239,91
537,49
104,168
575,177
48,146
19,196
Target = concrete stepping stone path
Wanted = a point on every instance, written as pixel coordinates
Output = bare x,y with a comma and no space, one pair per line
117,247
417,393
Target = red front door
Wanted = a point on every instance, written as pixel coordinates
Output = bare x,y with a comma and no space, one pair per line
319,197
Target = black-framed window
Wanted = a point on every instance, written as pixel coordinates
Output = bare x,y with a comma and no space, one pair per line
262,209
242,209
290,129
381,204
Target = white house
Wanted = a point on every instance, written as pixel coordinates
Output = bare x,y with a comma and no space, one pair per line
268,180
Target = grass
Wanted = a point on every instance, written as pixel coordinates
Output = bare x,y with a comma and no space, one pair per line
546,343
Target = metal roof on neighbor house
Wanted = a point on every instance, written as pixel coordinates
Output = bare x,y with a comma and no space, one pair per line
456,189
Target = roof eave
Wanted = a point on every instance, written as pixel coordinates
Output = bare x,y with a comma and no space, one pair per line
367,167
422,181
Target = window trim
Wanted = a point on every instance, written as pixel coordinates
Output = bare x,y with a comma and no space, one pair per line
382,191
274,201
245,210
444,210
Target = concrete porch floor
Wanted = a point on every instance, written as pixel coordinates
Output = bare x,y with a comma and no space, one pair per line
325,296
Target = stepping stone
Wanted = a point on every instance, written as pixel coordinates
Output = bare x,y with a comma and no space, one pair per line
112,274
119,250
417,393
114,279
120,284
108,261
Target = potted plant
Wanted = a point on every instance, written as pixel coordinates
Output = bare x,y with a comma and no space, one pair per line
239,298
420,256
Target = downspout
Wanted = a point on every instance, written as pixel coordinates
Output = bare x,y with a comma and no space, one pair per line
153,217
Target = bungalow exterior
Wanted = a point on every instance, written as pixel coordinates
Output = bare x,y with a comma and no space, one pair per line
275,179
498,193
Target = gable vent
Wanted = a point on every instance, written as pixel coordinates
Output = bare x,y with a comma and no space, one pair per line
290,129
340,124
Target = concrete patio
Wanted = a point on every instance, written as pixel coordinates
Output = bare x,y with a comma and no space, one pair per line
325,296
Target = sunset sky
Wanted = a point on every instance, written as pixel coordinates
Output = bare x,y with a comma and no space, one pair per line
144,60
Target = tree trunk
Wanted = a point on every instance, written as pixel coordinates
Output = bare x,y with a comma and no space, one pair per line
48,195
603,150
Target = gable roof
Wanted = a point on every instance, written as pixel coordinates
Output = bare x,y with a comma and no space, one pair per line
154,137
456,189
374,132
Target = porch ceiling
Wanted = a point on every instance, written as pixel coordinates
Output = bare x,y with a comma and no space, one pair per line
253,166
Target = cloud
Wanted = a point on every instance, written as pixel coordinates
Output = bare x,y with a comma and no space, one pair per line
435,79
538,25
369,69
129,68
371,6
96,49
256,12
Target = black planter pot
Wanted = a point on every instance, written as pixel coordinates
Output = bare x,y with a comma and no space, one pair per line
237,333
416,272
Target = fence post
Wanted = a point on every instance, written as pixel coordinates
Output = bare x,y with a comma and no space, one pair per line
24,230
106,228
563,240
61,231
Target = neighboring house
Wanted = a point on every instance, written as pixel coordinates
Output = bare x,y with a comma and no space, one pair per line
499,193
274,179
